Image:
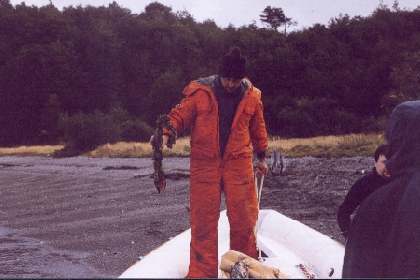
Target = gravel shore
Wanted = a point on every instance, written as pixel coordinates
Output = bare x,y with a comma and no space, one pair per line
90,217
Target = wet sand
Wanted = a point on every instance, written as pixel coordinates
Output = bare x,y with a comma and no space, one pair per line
85,217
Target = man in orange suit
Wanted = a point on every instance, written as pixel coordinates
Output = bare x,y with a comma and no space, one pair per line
225,115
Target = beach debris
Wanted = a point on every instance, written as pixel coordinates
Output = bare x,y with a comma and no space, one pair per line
122,167
277,166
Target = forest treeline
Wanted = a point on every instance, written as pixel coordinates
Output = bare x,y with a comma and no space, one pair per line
89,75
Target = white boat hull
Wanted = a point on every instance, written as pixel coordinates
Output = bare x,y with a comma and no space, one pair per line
286,242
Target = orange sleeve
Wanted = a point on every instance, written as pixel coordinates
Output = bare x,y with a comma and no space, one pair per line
183,114
258,130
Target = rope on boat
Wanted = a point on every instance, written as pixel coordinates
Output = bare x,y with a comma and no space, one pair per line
259,187
309,274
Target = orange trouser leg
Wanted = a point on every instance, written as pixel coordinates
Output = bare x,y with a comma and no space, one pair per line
242,205
205,208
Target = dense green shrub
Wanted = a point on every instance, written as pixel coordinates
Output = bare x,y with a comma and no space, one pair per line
84,132
338,78
136,130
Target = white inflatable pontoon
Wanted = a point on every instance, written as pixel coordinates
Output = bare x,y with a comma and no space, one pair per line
288,244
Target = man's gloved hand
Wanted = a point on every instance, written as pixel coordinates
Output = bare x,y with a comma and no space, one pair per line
164,140
261,168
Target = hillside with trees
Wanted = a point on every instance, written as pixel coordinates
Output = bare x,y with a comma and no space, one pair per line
91,75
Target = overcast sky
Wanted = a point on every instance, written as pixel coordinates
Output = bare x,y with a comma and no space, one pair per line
244,12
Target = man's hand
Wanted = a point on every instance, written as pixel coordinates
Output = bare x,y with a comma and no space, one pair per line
165,139
261,168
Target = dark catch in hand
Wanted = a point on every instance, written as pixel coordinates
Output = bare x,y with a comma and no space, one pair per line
157,143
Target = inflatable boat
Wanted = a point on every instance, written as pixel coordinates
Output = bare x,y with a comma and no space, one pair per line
297,250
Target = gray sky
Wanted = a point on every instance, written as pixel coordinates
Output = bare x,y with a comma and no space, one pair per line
244,12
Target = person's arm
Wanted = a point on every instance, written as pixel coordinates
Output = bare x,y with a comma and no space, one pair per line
258,131
259,139
351,202
343,219
182,115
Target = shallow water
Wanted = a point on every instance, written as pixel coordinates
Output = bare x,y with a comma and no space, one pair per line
23,257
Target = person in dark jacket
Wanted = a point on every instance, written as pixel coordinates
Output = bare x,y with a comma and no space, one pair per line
384,237
363,187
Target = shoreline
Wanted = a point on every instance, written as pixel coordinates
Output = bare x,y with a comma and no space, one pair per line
97,218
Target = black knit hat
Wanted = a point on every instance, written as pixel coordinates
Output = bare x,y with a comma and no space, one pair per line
233,64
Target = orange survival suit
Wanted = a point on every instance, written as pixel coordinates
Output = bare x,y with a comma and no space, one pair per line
211,173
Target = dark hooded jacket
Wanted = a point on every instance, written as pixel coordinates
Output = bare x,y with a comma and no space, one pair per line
384,239
360,190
